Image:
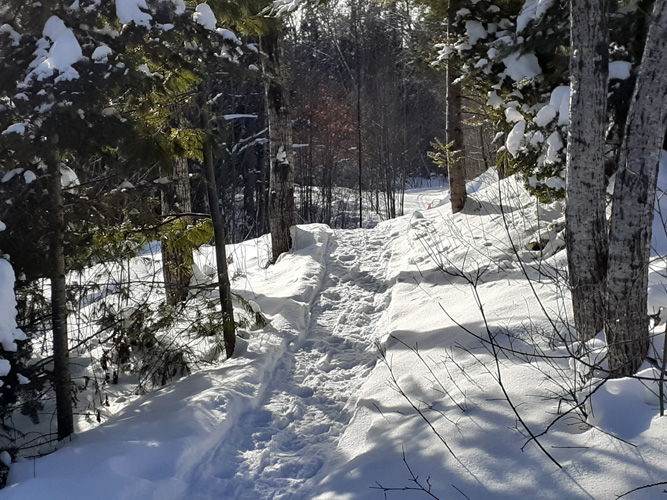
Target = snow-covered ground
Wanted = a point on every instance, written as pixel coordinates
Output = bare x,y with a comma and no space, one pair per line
376,376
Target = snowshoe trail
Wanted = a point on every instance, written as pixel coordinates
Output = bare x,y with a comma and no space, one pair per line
296,428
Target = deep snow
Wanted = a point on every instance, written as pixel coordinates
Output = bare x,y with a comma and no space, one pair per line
310,409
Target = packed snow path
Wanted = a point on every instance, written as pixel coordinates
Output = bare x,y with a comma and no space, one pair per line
294,431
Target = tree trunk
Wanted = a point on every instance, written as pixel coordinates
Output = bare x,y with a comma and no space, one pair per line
176,257
61,372
355,21
229,334
456,159
586,190
626,324
224,288
281,157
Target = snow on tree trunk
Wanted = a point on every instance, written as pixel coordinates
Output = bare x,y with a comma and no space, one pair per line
586,191
177,258
626,324
281,158
456,164
61,372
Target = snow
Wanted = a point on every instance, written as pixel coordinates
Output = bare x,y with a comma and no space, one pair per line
228,35
9,333
536,138
545,115
64,51
68,177
494,100
475,31
619,70
554,145
204,15
16,37
512,115
560,100
515,137
520,66
238,116
16,128
532,10
130,11
29,176
101,53
315,406
11,174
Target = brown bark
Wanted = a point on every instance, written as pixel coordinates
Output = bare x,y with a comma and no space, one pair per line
224,287
177,258
61,372
456,159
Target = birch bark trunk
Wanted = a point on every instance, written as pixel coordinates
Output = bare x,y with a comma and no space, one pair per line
626,323
586,190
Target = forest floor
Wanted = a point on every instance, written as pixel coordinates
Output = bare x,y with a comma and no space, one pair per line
412,358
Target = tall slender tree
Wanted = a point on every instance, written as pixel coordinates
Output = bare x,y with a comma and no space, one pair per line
586,182
281,155
626,321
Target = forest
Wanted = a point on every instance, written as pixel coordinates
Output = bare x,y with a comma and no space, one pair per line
350,234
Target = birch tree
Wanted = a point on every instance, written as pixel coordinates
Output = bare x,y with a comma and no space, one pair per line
585,192
626,323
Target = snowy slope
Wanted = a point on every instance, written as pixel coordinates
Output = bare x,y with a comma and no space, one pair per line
376,358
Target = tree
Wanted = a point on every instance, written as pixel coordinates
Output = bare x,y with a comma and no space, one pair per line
456,167
626,320
586,181
281,155
61,70
176,257
226,307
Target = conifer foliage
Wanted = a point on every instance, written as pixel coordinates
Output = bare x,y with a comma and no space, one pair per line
82,83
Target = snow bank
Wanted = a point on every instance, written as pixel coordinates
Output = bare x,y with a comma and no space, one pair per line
157,443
